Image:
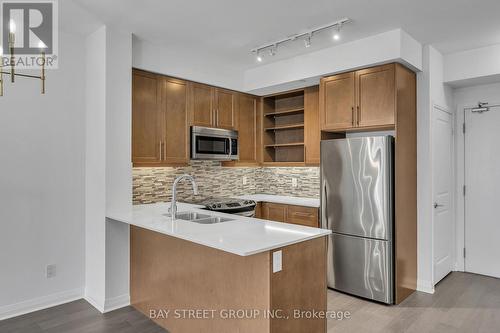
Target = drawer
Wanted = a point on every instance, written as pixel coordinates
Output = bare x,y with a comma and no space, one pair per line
307,216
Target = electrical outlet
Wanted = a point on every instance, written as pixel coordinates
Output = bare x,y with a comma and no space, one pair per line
277,261
245,180
295,182
50,271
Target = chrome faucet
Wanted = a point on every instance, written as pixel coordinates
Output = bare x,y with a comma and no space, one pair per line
173,204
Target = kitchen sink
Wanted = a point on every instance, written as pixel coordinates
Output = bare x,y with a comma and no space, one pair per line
213,220
200,218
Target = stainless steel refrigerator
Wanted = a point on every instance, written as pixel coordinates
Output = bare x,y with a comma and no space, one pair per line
357,194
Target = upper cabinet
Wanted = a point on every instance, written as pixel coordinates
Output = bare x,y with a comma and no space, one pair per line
159,120
147,132
375,96
225,103
212,107
337,102
365,99
202,105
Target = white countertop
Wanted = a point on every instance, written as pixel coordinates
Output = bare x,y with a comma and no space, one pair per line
244,236
280,199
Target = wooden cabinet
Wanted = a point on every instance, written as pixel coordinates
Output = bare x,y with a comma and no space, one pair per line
176,134
307,216
337,102
274,212
147,132
202,105
225,102
312,132
212,107
159,120
361,100
248,126
375,95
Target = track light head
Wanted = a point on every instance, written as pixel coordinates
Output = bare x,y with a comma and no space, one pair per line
336,34
273,49
307,41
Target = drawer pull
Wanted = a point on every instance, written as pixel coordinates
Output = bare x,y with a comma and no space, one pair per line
303,214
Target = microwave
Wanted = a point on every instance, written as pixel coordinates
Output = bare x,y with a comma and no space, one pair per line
214,144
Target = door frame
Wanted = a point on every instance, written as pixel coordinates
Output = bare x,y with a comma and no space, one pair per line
460,177
453,201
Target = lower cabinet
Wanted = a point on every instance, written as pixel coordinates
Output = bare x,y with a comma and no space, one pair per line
307,216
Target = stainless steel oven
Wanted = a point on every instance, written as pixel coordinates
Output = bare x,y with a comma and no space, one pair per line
213,144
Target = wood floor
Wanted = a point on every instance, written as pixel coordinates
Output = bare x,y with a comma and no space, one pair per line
462,303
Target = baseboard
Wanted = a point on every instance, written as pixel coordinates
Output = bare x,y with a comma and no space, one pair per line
96,304
116,302
425,287
40,303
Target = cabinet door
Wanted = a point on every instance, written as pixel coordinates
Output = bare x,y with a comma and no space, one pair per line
202,107
225,110
307,216
147,127
247,129
376,96
274,212
174,93
312,132
337,99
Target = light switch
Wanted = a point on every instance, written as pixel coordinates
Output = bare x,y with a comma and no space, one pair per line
277,261
294,182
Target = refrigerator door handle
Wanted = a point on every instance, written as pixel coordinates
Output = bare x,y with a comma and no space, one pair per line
324,208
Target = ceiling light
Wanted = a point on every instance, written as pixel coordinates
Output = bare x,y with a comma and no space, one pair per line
259,57
273,49
307,41
336,34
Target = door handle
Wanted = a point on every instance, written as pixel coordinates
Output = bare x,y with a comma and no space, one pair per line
436,205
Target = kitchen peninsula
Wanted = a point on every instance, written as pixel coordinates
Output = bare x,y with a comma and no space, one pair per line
241,275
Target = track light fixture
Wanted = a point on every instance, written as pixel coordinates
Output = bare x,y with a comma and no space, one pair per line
306,36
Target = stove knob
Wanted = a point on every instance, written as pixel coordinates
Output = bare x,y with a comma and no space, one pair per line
214,206
219,206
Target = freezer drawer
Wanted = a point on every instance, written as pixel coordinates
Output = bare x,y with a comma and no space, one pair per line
356,186
361,267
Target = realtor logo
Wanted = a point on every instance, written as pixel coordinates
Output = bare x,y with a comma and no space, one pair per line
29,28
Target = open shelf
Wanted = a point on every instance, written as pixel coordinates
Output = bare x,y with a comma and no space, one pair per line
285,127
285,112
293,144
283,124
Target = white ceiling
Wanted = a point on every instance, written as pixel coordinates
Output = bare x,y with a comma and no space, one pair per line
225,30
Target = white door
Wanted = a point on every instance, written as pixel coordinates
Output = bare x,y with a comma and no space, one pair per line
442,160
482,199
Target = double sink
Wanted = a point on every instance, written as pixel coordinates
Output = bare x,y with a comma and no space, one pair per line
200,218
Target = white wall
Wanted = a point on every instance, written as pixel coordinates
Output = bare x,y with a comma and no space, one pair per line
467,97
473,67
109,168
430,91
95,167
184,64
305,70
118,164
42,183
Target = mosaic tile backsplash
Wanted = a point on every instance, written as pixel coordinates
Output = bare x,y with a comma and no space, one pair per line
155,184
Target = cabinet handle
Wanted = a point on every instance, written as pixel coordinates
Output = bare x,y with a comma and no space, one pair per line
303,214
358,115
217,117
164,150
352,115
161,151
